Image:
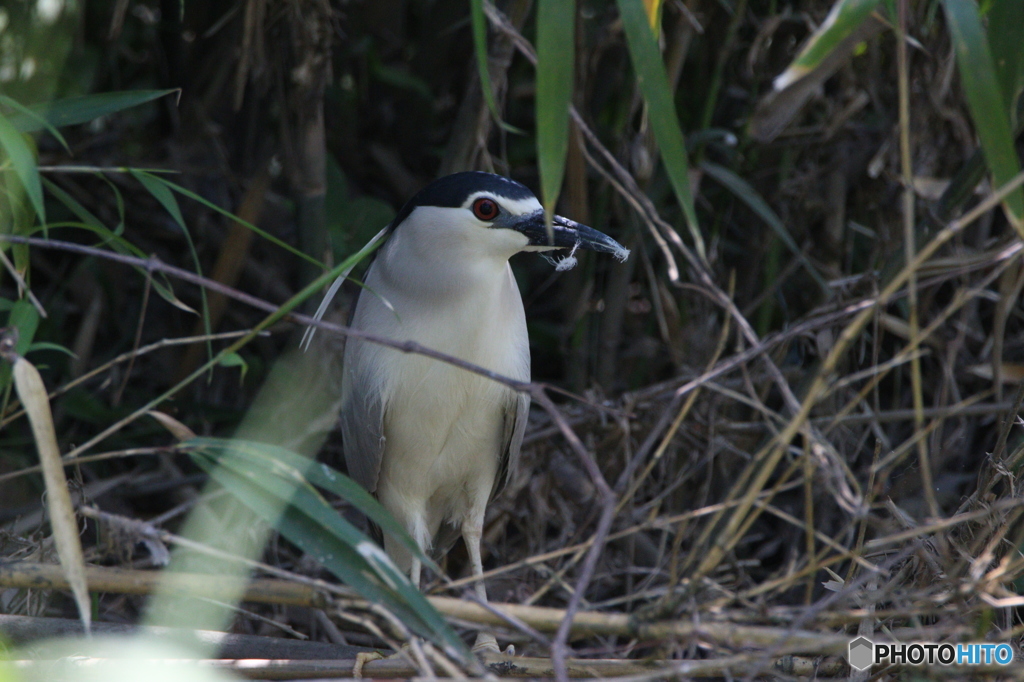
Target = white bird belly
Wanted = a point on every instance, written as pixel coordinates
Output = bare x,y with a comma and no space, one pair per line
447,458
444,427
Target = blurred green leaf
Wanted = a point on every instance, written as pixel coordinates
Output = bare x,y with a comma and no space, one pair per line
46,345
119,202
86,406
556,53
20,108
985,100
479,23
264,482
75,110
653,81
336,482
81,212
235,360
653,8
337,190
156,186
25,317
363,217
23,160
1005,30
749,196
351,222
399,78
844,18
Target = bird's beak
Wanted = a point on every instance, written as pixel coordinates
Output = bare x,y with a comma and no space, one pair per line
567,234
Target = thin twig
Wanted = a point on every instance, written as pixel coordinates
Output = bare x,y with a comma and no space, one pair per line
22,286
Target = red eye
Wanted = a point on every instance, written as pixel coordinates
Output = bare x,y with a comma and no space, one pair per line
485,209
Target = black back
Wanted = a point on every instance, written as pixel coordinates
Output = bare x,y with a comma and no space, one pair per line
451,192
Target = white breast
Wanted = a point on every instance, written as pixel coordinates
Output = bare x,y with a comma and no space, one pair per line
443,427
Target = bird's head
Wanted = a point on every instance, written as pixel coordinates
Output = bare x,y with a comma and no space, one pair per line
496,214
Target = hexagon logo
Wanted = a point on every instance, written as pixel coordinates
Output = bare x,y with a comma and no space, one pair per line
862,653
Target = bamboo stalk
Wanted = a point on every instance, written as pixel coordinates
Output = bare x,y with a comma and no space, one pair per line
546,619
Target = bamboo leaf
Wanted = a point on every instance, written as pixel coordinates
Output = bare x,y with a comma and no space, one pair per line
653,9
235,360
74,110
160,282
25,318
22,109
749,196
985,100
845,17
158,187
113,237
33,396
479,24
228,214
46,345
332,480
653,81
175,427
23,160
1005,30
556,52
83,214
265,483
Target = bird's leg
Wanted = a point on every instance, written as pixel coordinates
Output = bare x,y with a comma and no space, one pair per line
472,531
416,526
471,535
414,572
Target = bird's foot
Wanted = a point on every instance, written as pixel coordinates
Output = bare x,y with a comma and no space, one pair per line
362,659
486,643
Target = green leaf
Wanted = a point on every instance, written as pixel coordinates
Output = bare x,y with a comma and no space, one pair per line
24,162
399,78
266,235
985,100
235,360
75,110
330,479
119,201
846,16
160,282
46,345
556,52
157,186
265,484
653,8
25,317
479,23
81,212
749,196
653,81
1005,30
31,114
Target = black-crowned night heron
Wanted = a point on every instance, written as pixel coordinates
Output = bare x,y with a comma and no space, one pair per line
435,442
